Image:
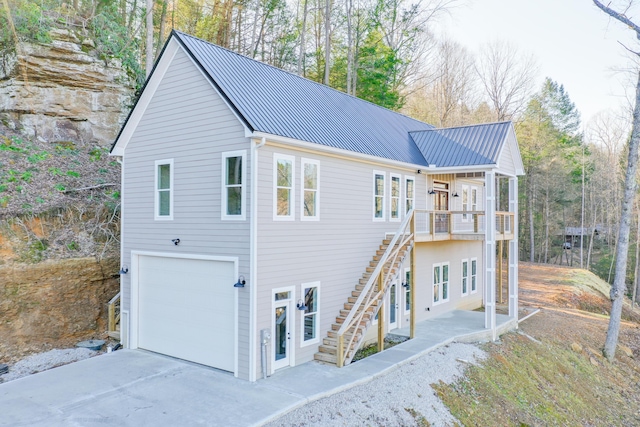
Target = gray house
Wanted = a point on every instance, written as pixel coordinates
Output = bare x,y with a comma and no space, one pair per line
268,220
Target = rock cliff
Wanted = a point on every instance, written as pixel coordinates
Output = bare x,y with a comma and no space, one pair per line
62,92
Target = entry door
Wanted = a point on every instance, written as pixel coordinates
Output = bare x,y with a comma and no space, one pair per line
282,318
441,203
393,307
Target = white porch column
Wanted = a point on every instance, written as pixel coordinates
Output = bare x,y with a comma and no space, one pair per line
490,252
513,249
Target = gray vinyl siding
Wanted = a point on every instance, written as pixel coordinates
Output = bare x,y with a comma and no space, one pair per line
188,122
505,161
334,250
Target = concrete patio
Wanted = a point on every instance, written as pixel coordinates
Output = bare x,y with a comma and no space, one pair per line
138,388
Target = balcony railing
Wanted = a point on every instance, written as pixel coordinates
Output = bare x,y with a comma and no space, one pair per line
460,225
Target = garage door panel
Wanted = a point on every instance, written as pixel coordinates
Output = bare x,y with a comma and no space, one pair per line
187,309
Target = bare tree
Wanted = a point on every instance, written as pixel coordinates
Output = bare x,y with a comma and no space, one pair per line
507,76
619,286
149,48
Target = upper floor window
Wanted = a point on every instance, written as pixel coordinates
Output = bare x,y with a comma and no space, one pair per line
163,206
233,185
394,212
409,193
284,186
378,195
310,189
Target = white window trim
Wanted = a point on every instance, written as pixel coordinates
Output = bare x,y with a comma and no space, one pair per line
468,277
465,207
243,187
391,176
156,192
292,195
471,275
316,340
441,291
405,290
384,191
316,217
406,197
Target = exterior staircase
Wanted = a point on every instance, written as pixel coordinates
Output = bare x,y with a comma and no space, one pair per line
348,331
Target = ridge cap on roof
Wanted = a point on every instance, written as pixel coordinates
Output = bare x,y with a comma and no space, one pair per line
322,85
463,126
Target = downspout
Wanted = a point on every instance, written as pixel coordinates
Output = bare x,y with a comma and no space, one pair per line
253,262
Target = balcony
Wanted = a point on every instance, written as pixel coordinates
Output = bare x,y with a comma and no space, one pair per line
434,226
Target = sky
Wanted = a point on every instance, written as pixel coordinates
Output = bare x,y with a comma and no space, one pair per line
575,43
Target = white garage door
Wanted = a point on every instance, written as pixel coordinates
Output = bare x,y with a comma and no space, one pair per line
187,309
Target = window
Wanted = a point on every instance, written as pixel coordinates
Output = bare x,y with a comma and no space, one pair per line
378,195
163,206
440,283
394,211
474,199
310,320
409,193
465,202
407,290
283,169
474,287
465,277
310,187
233,185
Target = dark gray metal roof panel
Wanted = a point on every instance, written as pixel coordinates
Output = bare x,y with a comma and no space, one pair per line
274,101
474,145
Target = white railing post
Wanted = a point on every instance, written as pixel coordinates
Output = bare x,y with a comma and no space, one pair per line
490,253
513,248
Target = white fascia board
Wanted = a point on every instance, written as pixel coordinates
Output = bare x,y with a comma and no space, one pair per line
145,98
461,169
339,152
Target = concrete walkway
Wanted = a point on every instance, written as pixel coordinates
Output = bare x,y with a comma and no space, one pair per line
138,388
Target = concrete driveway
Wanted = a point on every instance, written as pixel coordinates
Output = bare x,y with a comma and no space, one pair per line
138,388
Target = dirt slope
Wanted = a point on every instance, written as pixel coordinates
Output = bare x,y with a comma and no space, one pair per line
551,371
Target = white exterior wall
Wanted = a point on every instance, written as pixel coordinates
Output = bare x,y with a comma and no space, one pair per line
335,250
187,121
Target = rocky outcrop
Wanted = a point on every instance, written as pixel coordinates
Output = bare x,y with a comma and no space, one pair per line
63,92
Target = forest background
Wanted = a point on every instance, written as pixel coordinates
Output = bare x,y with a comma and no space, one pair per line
386,52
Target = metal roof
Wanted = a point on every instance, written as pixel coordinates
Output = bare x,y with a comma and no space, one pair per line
277,102
474,145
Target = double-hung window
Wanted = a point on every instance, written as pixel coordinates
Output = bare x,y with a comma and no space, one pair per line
284,188
394,212
378,196
310,316
407,290
465,277
465,202
440,283
163,205
409,194
233,185
474,269
310,190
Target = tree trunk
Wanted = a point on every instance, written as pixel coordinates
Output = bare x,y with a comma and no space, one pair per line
349,6
303,31
637,268
327,41
149,47
532,241
163,17
619,283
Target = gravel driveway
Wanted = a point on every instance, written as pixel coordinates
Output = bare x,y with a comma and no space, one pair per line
402,397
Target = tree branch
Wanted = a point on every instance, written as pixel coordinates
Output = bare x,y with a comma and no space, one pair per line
619,17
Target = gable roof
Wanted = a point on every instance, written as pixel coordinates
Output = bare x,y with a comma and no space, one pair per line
272,101
474,145
277,102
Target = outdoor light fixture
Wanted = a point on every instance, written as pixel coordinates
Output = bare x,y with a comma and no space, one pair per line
124,270
241,282
405,285
176,241
301,305
419,171
432,191
455,194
